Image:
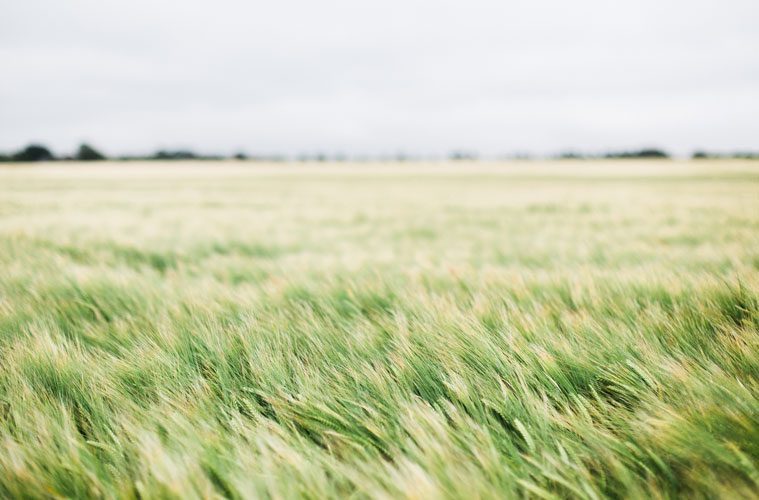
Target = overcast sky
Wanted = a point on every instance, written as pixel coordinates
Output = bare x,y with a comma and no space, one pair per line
380,77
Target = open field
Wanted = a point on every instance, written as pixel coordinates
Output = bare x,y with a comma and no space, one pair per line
469,331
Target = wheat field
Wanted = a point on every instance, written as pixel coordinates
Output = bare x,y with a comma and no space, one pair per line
484,330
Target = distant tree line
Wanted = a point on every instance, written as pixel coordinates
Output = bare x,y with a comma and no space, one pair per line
645,153
33,152
85,152
741,155
38,152
658,153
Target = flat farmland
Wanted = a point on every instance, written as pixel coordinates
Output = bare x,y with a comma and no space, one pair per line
454,330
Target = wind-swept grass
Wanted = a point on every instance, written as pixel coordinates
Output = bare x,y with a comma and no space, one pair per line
558,330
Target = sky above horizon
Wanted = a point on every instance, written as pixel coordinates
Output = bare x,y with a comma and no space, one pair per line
338,76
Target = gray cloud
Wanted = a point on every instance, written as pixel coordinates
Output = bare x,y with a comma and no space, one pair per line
374,77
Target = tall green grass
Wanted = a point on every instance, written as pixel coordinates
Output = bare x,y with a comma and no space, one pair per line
535,331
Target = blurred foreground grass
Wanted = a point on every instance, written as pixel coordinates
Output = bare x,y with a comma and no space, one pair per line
472,331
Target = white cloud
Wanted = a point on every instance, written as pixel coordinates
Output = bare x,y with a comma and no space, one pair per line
377,77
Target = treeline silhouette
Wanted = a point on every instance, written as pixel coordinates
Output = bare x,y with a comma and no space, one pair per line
39,153
85,152
638,153
742,155
658,153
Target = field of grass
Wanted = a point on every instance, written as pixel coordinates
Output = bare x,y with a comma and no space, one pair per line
469,331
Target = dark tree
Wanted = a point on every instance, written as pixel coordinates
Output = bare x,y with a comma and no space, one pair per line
652,153
88,153
641,153
240,156
570,155
33,152
175,155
